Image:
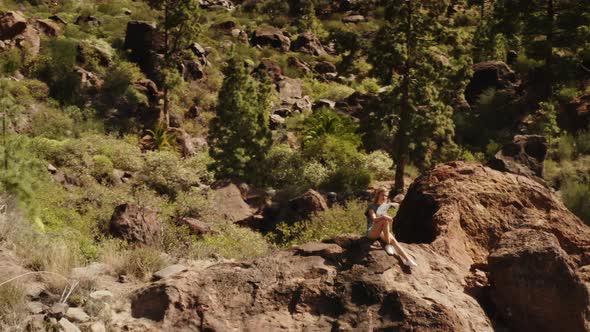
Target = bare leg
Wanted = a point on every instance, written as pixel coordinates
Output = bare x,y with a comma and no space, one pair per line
404,255
377,229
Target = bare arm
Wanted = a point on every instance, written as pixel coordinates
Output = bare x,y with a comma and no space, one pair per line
374,217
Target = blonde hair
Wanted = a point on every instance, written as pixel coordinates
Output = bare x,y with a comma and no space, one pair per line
377,193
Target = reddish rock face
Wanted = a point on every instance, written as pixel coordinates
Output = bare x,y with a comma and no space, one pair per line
481,238
307,204
524,155
308,43
273,38
12,23
135,224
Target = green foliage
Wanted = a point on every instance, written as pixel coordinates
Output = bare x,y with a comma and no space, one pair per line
567,94
239,135
161,138
164,172
119,82
380,165
51,123
232,242
349,218
576,196
326,90
140,262
56,68
326,122
102,167
566,147
10,61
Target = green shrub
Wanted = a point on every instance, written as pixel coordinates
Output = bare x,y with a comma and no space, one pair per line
349,218
102,167
51,123
567,94
119,81
10,61
164,172
56,67
583,142
232,242
324,90
140,262
576,196
566,147
380,165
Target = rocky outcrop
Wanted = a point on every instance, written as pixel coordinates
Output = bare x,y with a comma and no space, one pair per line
271,37
486,75
307,204
135,224
144,42
12,23
227,203
495,251
535,286
270,68
575,116
524,155
308,43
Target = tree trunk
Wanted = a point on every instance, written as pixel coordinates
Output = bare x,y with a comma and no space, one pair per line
549,54
402,135
166,119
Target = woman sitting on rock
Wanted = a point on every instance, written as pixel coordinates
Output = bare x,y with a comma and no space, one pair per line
379,226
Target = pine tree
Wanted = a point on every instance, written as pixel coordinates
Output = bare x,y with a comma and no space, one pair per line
418,108
180,24
239,135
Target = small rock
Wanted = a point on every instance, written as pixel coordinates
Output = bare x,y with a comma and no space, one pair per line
51,169
102,295
57,310
169,271
123,279
36,323
98,327
77,315
67,326
36,307
354,19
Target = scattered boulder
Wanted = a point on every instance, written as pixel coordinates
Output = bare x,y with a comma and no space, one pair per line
169,271
325,67
290,90
49,28
354,19
102,295
524,155
89,20
29,40
299,65
197,227
12,23
68,326
184,140
270,68
240,35
228,203
77,315
226,26
486,75
58,19
36,308
324,103
135,224
276,121
213,4
191,70
98,327
307,204
535,286
149,88
198,50
57,310
308,43
271,37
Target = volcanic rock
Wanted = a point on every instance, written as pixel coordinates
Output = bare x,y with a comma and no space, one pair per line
524,155
135,224
271,37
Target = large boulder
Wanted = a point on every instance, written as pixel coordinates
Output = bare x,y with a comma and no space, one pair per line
307,204
271,37
144,42
474,225
486,75
135,224
524,155
12,23
535,285
290,90
215,4
270,68
228,204
308,43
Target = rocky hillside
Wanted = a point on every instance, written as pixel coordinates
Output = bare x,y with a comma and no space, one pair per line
207,164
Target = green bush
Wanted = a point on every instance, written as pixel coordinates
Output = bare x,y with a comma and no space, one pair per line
164,172
139,262
349,218
567,94
233,242
56,67
380,165
583,142
119,81
102,167
10,61
51,123
576,196
566,147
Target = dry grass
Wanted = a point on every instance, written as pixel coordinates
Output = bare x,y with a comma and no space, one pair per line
139,262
